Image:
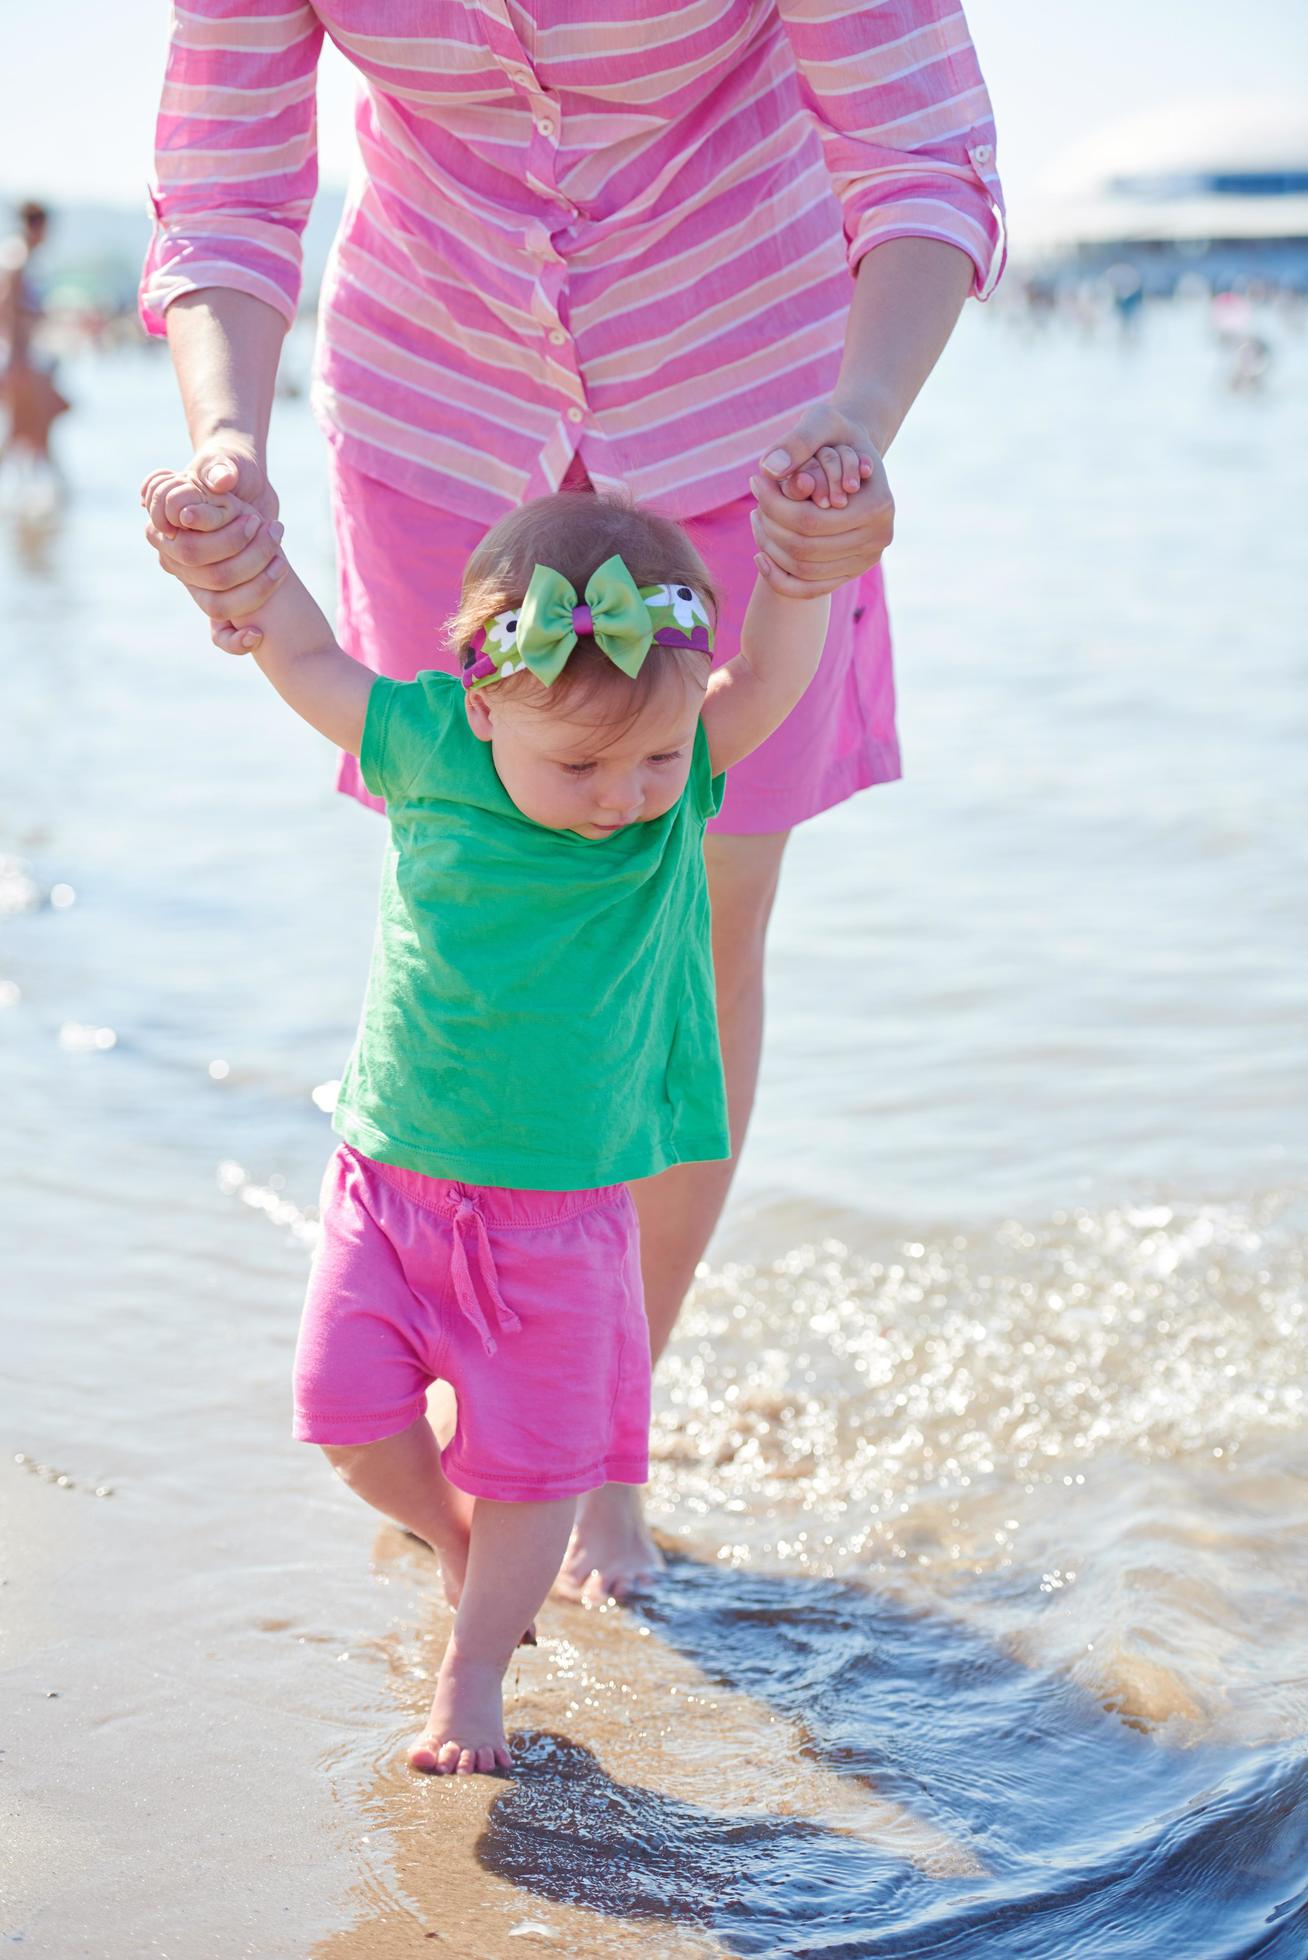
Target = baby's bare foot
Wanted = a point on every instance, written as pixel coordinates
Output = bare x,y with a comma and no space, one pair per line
465,1730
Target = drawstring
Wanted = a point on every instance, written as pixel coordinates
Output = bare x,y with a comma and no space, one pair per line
468,1218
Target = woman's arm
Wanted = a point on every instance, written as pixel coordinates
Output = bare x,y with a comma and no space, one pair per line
908,294
225,347
780,646
235,175
906,127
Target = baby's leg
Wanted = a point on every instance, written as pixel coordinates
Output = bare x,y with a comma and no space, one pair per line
513,1554
402,1477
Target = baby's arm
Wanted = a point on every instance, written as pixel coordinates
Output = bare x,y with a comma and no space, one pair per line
780,646
291,641
289,638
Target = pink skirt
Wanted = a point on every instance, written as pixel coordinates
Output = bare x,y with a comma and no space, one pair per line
399,564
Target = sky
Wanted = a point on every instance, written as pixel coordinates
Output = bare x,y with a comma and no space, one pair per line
81,79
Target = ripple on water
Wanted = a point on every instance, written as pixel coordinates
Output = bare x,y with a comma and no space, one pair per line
1082,1433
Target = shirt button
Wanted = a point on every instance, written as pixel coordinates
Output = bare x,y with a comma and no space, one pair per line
558,338
574,415
545,127
983,153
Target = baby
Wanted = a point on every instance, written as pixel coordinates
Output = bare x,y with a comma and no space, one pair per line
539,1027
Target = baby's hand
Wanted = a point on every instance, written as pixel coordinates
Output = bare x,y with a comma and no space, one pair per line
830,477
825,457
174,503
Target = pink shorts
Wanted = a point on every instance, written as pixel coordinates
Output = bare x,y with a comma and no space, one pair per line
399,563
528,1303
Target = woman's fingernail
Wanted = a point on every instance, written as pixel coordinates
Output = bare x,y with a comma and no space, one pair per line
277,531
777,460
278,568
763,562
251,524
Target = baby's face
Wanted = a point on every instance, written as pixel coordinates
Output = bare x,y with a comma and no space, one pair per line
579,771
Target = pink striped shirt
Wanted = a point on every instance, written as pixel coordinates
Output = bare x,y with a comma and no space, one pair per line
629,233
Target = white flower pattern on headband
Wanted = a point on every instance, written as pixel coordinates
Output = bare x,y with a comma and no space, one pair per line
685,605
501,643
501,634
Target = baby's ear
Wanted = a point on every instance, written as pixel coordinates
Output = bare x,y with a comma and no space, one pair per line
479,714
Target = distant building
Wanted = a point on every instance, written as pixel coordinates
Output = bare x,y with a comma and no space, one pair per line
1216,188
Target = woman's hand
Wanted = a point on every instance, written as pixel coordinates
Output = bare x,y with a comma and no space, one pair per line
824,509
204,540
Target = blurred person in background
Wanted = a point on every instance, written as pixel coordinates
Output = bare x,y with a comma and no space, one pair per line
579,257
31,400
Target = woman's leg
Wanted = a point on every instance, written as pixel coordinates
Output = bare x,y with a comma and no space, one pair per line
513,1555
611,1549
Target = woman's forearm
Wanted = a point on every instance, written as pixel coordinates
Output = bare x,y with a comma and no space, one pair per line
225,347
908,295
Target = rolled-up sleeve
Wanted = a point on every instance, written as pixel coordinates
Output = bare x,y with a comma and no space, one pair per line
905,122
235,154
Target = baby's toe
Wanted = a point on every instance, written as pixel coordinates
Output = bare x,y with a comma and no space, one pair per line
422,1755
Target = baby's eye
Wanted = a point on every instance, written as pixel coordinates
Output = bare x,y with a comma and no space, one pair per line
669,755
578,768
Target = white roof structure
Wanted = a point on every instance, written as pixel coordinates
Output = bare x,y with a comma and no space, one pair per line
1233,168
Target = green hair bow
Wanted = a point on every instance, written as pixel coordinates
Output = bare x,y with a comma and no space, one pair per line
625,620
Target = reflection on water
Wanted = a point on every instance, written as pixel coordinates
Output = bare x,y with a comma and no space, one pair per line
980,1444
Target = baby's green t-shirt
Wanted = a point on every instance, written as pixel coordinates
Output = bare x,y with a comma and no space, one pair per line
540,1009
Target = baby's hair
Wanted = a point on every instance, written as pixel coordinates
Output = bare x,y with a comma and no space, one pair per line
573,532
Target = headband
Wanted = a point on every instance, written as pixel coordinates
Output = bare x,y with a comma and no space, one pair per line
624,619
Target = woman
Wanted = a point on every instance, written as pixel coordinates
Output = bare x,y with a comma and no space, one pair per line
615,252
